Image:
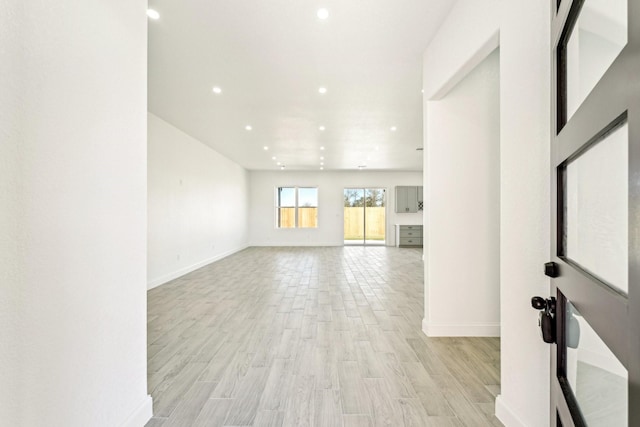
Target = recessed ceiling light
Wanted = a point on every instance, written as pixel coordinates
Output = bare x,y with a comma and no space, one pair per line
217,90
321,148
273,158
323,13
393,128
321,158
322,90
247,127
377,148
321,168
282,167
278,163
321,128
265,148
321,163
153,14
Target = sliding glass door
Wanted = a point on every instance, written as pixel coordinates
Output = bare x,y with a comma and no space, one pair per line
364,216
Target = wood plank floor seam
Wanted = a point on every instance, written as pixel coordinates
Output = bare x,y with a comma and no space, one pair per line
311,336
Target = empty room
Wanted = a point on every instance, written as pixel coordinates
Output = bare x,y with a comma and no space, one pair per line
330,213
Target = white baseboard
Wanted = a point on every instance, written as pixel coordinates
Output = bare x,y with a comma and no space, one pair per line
461,330
506,415
185,270
294,244
141,415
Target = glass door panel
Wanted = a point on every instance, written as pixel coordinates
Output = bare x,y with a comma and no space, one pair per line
595,39
374,216
596,209
596,377
354,216
364,216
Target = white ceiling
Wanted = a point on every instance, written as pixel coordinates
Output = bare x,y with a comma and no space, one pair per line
269,57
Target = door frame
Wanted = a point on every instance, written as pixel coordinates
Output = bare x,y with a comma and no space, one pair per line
364,240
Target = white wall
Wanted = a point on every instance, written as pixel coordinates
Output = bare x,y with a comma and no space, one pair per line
331,185
469,33
198,204
11,265
463,207
524,186
525,70
73,225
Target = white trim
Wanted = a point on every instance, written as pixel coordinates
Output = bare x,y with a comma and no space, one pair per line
506,415
491,44
141,415
456,52
461,330
179,273
300,244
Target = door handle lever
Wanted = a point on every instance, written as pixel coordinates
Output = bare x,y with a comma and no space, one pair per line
546,319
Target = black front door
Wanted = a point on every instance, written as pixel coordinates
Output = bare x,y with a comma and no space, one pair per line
595,366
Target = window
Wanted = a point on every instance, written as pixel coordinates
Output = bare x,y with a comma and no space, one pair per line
297,207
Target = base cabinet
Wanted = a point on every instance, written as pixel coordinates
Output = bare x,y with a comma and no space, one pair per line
408,236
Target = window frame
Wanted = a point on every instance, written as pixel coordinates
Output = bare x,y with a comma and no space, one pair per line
296,206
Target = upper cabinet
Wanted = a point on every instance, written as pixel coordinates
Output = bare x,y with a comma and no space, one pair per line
409,199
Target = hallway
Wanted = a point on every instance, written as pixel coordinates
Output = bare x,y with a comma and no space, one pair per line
311,337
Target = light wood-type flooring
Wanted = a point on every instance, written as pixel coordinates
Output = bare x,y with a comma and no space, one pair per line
311,337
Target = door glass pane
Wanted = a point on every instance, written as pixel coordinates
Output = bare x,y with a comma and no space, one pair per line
596,40
375,216
354,216
596,209
597,378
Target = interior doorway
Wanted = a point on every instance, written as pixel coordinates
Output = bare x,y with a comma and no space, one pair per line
365,216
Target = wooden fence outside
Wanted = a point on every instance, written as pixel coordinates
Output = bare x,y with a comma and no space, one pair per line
307,217
353,221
